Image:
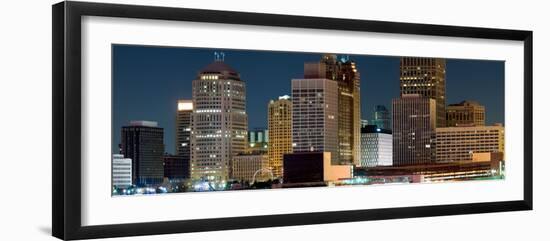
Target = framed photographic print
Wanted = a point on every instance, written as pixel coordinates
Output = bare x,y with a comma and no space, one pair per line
169,120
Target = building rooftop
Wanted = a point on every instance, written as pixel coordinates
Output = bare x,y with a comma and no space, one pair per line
374,129
144,123
466,103
218,67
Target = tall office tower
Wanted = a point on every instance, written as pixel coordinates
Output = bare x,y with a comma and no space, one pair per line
382,118
279,118
425,76
219,122
257,141
345,73
315,116
461,143
414,123
183,128
466,113
143,142
376,146
121,171
178,166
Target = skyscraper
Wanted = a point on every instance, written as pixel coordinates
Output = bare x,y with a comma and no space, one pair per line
179,165
413,130
425,76
315,116
142,141
183,128
219,122
279,118
466,113
382,117
345,73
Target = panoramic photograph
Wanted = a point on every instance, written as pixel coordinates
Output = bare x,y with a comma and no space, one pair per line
203,119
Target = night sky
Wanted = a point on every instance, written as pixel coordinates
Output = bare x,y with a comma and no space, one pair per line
147,82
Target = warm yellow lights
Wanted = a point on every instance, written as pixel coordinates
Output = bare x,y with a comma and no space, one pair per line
185,105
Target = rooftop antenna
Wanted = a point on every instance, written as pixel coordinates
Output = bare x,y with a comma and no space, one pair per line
219,56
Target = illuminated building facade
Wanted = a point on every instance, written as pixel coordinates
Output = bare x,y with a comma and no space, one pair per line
466,113
414,123
279,118
219,122
251,167
425,76
345,73
142,141
258,140
461,143
376,146
315,116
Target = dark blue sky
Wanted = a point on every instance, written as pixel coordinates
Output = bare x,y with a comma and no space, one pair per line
147,82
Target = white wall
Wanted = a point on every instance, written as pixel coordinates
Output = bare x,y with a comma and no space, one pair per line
25,97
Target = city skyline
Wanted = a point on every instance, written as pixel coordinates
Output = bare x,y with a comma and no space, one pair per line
268,75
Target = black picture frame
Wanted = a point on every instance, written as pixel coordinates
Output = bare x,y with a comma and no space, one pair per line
66,127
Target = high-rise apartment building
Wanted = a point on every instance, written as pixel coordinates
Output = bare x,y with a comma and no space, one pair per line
461,143
376,146
465,113
346,74
315,116
121,171
414,123
279,118
382,118
143,142
219,122
425,76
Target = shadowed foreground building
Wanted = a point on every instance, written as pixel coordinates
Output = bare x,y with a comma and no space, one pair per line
142,141
279,118
414,122
313,167
219,122
176,168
